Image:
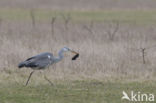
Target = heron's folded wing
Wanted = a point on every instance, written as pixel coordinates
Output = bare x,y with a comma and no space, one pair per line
32,65
39,61
42,62
39,56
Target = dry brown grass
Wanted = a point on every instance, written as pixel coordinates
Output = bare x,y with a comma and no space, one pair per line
101,58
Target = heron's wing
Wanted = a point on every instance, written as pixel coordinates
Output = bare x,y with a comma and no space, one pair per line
40,56
40,61
31,64
30,58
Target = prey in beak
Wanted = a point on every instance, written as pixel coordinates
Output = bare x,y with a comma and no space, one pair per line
76,55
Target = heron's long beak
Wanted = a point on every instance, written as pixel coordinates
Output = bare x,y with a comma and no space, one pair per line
74,52
76,55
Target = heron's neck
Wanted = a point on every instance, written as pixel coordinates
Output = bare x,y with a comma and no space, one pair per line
60,56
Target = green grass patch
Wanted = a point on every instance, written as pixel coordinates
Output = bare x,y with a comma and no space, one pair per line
73,92
138,16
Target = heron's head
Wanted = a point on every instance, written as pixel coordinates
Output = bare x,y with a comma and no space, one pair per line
66,49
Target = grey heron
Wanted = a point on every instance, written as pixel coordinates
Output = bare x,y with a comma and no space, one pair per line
44,60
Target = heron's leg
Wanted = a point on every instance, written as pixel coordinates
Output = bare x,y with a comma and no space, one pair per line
42,72
48,80
29,78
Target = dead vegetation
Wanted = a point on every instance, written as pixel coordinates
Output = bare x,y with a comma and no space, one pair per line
107,50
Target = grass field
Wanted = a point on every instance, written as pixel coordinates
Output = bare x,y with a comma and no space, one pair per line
124,16
111,43
69,92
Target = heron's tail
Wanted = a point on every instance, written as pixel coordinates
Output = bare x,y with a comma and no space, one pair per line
21,65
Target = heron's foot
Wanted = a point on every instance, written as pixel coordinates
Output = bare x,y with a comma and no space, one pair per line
48,81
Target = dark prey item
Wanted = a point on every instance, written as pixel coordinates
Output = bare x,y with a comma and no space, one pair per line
75,57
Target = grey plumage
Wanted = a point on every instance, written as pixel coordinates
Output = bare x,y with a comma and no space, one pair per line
43,60
40,61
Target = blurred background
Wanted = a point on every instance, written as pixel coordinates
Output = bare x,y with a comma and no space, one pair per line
115,38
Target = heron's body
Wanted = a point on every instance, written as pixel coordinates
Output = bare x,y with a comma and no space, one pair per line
40,61
43,60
